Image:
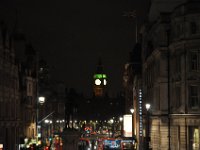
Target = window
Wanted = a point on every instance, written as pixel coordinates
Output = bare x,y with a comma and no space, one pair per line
193,28
29,89
195,61
193,138
34,118
178,64
178,30
193,96
178,96
33,133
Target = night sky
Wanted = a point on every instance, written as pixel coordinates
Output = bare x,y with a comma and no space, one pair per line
71,35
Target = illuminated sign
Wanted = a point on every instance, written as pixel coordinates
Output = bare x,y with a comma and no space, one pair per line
127,125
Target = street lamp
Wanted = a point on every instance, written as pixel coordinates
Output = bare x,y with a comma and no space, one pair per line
148,106
121,125
112,128
133,128
41,101
132,110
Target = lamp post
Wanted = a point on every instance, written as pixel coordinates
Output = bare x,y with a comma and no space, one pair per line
133,127
148,106
40,100
121,125
112,127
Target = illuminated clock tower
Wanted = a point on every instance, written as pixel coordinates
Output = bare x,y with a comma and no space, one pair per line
100,81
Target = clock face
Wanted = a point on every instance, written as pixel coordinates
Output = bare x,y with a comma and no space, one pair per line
104,81
97,81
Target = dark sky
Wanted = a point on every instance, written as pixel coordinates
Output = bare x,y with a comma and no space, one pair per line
72,34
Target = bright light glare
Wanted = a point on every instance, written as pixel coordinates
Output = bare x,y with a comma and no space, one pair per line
132,110
120,118
46,121
41,99
148,106
111,120
127,125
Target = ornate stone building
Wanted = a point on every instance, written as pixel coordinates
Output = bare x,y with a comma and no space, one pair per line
9,93
23,79
28,95
171,74
133,90
18,90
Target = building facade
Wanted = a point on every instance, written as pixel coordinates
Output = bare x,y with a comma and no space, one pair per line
28,96
23,79
171,83
133,92
9,93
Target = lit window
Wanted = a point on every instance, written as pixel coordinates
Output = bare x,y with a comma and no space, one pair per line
194,137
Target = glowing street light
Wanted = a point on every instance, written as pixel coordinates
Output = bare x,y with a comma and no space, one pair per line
41,100
121,125
133,127
132,110
148,106
120,119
